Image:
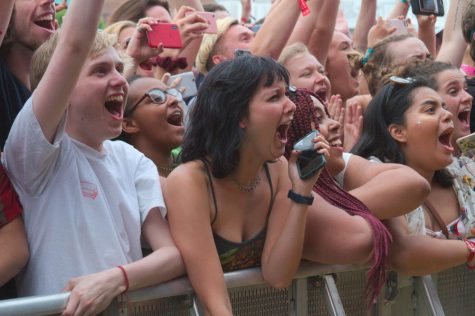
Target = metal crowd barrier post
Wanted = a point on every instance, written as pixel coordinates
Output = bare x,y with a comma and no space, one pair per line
334,304
427,290
314,291
34,305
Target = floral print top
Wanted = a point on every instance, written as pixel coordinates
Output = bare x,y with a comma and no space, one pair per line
463,170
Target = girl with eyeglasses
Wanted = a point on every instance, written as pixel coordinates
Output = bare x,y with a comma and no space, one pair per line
153,121
407,122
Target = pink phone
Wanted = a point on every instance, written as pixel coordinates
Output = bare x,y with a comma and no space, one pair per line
400,25
210,17
166,33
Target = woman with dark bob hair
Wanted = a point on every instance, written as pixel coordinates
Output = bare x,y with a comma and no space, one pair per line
407,122
235,202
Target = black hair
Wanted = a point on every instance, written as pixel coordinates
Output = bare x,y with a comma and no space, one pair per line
222,102
386,108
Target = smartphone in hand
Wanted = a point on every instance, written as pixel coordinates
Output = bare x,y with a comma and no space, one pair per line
428,7
210,18
187,82
309,161
166,33
400,25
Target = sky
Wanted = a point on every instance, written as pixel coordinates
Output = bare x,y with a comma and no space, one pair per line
350,8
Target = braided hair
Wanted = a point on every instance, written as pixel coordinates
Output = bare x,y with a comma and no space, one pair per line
305,117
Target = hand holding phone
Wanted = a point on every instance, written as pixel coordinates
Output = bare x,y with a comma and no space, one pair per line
400,25
166,33
187,84
428,7
309,161
210,18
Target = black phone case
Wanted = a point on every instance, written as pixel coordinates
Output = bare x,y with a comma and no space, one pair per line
309,162
417,10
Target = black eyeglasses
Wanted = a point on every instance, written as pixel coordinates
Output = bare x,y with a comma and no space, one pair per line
157,96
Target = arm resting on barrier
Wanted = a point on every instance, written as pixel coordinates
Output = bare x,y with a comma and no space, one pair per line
190,223
94,292
421,254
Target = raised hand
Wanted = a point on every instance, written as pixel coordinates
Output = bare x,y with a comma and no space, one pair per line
138,48
353,125
191,25
379,31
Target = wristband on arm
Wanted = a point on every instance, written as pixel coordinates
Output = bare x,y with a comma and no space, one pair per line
126,279
300,199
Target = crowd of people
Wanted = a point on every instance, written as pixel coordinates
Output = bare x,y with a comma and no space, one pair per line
114,178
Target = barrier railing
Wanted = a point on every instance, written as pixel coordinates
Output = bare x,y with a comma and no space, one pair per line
316,290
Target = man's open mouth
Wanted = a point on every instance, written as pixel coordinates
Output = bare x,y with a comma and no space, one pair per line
46,21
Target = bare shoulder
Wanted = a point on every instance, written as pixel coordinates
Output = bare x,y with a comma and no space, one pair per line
187,173
279,171
190,180
278,165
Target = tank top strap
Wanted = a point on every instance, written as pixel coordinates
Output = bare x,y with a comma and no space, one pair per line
272,197
208,172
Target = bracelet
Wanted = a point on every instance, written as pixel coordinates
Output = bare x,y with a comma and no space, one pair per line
125,278
297,198
471,247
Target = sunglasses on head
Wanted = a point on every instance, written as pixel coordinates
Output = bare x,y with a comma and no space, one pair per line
157,96
396,81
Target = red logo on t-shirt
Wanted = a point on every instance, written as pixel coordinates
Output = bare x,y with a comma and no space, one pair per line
89,190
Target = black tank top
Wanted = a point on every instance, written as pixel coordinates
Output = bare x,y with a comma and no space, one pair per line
235,256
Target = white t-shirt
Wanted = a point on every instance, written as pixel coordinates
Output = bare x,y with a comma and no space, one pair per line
83,209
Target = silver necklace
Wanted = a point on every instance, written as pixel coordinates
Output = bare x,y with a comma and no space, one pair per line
247,187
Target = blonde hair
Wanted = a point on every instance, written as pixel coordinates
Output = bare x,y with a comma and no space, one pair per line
209,45
42,56
117,27
292,50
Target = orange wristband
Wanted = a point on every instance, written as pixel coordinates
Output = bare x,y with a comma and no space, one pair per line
125,278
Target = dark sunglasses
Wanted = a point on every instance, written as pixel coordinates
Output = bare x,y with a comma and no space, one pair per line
157,96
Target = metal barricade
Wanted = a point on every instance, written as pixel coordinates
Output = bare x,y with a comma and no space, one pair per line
316,290
456,289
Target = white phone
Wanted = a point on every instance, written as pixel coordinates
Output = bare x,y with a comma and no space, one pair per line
400,25
187,85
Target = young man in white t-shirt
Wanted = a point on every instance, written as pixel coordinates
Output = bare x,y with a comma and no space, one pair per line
88,202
